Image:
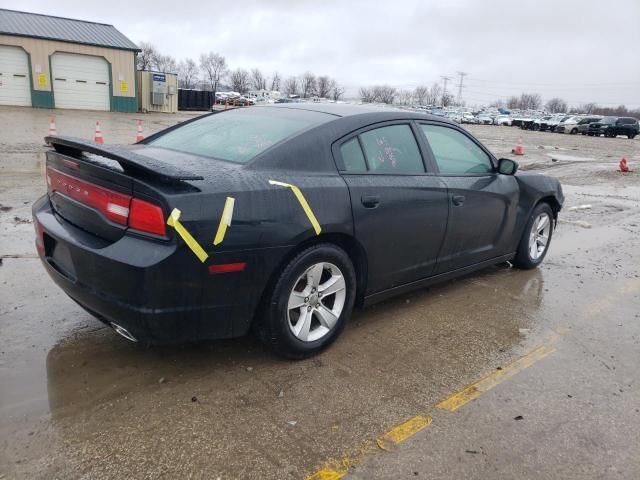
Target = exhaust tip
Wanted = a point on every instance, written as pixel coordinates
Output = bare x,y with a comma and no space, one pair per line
120,330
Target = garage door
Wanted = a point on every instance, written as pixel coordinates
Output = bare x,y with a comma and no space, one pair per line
80,81
14,77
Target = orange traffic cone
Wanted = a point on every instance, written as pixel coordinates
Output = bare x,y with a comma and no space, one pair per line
139,135
624,166
98,136
519,150
52,125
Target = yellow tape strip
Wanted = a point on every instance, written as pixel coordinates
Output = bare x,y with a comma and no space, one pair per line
174,221
303,203
225,220
494,378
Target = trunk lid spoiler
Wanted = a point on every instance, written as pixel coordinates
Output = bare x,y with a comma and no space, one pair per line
130,161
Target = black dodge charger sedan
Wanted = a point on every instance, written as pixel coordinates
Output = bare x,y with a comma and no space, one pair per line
281,219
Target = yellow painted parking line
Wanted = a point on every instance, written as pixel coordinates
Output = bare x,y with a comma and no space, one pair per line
473,391
337,469
403,431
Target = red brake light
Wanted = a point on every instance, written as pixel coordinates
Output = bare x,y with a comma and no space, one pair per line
117,207
113,205
146,217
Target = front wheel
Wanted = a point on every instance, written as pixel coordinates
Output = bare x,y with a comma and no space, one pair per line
310,302
536,238
573,131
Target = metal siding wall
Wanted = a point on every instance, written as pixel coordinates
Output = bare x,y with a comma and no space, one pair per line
122,61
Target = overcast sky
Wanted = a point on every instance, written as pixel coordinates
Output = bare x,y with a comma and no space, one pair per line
580,50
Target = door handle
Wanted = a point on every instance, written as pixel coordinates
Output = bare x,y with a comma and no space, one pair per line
458,200
370,201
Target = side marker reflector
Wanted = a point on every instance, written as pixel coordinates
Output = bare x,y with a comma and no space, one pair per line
303,203
192,243
227,267
225,220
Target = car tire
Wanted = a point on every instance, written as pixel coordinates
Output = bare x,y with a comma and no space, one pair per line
277,329
573,131
631,136
528,256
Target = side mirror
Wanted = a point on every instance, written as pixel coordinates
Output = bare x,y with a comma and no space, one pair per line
506,166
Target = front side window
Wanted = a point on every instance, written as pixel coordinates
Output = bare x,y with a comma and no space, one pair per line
392,149
456,153
239,135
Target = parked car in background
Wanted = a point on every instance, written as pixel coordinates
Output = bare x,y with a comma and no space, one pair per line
540,123
467,117
502,120
614,126
568,125
485,119
455,116
364,215
583,125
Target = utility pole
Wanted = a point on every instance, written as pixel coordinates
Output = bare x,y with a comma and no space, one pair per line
460,86
445,79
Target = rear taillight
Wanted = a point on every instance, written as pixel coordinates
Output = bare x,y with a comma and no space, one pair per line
118,207
113,205
146,217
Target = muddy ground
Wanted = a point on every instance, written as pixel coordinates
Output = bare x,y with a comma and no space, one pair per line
77,401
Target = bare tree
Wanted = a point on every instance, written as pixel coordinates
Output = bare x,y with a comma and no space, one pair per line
384,94
239,80
447,99
420,94
323,86
214,68
336,90
587,108
258,81
435,92
275,82
513,102
366,94
499,103
405,97
530,101
166,63
556,105
187,73
291,86
308,84
147,57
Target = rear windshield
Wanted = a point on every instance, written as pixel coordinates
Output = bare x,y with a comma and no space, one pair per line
239,135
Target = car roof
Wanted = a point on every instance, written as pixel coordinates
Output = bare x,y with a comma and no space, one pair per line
379,112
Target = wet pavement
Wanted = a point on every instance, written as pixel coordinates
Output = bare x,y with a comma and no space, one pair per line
76,401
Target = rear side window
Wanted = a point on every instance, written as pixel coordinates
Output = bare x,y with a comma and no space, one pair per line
456,153
392,149
352,156
240,134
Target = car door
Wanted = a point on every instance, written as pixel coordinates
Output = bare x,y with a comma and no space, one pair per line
483,203
399,210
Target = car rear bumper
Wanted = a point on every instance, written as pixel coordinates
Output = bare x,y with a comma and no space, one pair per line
150,288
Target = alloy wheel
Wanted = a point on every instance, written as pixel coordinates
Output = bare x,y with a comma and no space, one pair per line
539,236
316,302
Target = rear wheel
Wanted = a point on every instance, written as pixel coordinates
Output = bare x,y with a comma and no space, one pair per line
536,238
631,136
573,131
310,302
